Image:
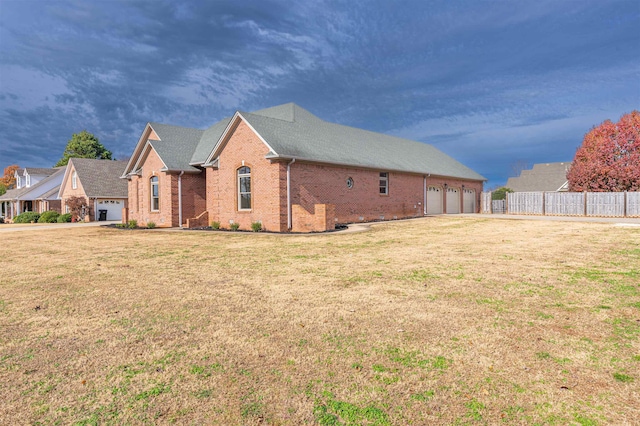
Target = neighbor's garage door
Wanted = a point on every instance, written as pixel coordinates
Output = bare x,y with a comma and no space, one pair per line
434,200
468,201
113,208
453,200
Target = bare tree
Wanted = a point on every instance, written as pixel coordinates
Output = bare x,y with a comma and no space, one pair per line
518,166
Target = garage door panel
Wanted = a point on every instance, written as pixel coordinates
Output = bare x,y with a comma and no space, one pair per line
469,201
453,200
434,200
112,206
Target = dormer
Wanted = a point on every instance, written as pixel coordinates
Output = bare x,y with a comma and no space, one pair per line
18,174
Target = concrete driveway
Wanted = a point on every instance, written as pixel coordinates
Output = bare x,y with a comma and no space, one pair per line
17,227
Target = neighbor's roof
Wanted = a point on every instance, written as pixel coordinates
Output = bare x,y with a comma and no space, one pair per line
14,194
293,132
40,171
542,177
101,178
52,194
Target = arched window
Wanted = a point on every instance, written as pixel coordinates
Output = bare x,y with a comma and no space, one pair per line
155,194
244,188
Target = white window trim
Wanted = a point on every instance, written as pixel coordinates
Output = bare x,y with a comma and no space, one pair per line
239,176
384,178
74,180
151,185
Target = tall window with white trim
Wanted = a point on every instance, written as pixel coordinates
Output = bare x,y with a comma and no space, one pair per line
384,183
74,180
155,193
244,188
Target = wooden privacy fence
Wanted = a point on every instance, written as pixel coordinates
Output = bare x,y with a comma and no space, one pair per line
608,204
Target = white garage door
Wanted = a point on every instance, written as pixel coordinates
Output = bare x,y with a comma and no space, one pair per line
453,200
434,200
113,208
468,200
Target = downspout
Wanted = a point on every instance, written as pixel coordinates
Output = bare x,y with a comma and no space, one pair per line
289,224
180,198
425,196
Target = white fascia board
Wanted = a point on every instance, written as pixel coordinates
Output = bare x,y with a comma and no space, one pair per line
145,152
237,115
64,179
137,150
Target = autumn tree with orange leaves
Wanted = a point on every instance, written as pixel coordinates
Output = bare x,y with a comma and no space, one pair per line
609,158
8,180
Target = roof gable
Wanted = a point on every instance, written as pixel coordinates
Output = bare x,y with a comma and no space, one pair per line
99,178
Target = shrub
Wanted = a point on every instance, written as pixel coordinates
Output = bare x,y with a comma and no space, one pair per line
50,216
63,218
234,226
151,225
500,193
215,225
132,224
1,220
256,226
27,217
121,225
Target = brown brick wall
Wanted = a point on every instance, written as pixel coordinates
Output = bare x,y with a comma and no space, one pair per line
78,192
322,184
268,184
140,195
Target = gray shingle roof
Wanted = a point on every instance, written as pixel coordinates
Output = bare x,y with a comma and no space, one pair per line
101,178
176,145
293,132
12,194
542,177
208,141
52,194
40,171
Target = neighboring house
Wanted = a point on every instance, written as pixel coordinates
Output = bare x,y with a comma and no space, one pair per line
36,190
549,177
291,171
98,181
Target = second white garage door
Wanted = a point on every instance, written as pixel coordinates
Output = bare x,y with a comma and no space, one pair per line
453,200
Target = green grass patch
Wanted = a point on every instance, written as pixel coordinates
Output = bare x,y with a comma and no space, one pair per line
423,396
622,377
332,412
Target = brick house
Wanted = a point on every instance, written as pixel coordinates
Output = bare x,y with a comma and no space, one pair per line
99,183
291,171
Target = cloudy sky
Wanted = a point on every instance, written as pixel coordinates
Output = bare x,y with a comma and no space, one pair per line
492,83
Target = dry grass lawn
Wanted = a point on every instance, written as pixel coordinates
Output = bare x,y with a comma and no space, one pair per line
449,320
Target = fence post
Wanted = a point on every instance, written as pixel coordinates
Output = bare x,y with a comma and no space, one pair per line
544,210
585,203
625,203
